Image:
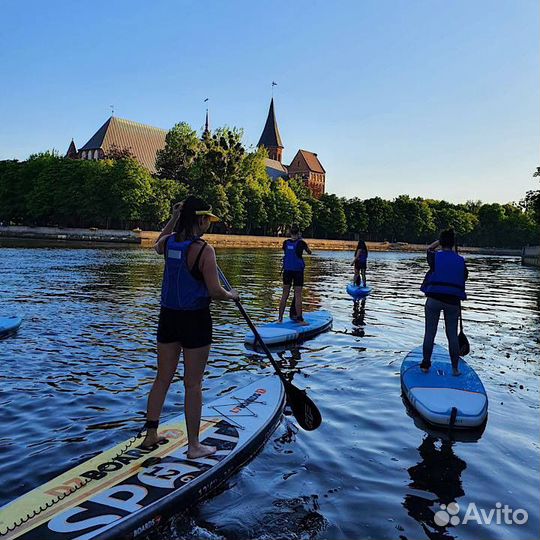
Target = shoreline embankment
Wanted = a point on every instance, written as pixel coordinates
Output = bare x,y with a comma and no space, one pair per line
72,237
530,256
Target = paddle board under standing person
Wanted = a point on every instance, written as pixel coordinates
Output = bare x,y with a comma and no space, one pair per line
360,263
293,272
444,286
190,281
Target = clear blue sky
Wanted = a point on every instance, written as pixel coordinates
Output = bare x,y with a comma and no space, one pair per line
425,97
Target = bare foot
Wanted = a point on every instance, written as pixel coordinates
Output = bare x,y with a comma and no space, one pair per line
200,450
302,323
280,320
152,438
456,372
424,368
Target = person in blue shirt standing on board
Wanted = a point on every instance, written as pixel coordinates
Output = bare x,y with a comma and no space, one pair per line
293,273
360,263
190,282
444,286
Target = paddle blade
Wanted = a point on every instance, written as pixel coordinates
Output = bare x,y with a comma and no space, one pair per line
464,347
304,410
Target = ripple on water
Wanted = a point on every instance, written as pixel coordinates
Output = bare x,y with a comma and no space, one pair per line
75,379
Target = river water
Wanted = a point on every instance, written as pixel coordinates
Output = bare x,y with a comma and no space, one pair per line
74,381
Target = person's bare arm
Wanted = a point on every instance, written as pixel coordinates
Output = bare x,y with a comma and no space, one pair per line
308,251
433,246
208,267
159,245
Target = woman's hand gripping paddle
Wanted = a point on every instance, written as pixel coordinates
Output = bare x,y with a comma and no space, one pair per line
304,410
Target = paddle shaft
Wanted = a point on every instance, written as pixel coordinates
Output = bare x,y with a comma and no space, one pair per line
460,316
253,328
304,410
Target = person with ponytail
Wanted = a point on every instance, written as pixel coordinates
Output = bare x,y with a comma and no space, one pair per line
190,282
444,287
360,263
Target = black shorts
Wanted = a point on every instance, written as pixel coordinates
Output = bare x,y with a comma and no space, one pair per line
191,328
360,265
293,277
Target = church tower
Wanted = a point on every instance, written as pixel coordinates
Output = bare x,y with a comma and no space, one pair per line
270,138
207,133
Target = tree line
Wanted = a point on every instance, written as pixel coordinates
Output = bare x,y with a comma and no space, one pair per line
118,192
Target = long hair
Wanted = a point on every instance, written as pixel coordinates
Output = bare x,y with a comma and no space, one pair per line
361,246
188,219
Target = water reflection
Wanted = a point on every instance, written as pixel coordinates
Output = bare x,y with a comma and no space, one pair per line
438,473
359,315
85,356
290,360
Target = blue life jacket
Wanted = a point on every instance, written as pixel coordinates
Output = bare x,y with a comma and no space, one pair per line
448,277
291,261
362,259
180,290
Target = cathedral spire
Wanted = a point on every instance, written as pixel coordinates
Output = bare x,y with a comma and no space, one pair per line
270,138
72,150
206,132
207,124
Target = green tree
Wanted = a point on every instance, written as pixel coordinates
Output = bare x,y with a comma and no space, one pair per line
531,203
182,146
130,191
13,188
304,215
380,215
329,217
458,216
282,206
164,193
356,216
221,158
412,219
306,204
256,190
491,218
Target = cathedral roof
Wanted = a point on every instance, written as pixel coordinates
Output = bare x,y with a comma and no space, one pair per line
311,160
141,140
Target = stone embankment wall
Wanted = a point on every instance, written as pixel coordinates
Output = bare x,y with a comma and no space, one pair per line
104,237
63,236
530,256
271,242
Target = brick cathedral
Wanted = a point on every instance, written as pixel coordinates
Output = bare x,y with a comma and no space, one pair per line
304,166
144,141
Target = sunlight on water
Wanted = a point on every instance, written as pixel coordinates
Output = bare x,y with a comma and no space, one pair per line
74,381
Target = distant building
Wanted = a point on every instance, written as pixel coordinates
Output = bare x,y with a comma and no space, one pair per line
117,133
144,141
304,166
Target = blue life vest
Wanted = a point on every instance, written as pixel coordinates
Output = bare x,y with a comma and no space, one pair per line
180,290
291,261
448,277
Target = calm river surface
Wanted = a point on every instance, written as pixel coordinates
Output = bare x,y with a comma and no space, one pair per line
74,381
